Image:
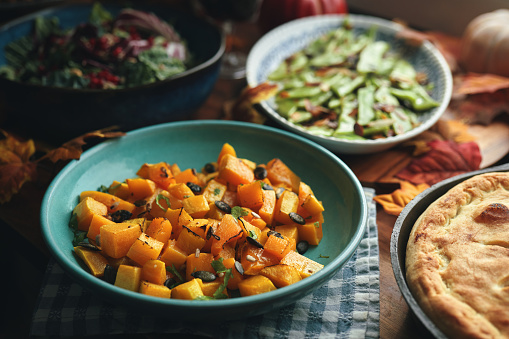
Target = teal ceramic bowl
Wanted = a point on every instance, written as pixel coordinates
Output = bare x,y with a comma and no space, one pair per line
192,144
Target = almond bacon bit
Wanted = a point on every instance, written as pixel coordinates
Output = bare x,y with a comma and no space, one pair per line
358,129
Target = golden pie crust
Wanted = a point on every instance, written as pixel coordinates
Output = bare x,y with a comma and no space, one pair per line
457,259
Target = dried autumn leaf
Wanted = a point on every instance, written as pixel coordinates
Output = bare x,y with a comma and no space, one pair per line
15,165
474,83
242,108
444,160
480,108
74,148
393,203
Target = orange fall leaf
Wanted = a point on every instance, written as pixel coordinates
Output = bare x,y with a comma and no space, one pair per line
393,203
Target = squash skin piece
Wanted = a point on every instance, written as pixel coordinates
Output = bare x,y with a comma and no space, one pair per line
189,290
234,171
281,275
86,209
280,174
286,204
173,255
112,202
251,195
117,239
144,248
155,290
201,263
197,206
154,271
128,277
305,266
95,227
159,229
94,260
255,284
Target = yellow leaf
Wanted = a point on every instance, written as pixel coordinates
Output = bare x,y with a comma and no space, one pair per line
393,203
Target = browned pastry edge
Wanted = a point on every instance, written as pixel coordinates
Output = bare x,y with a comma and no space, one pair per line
451,304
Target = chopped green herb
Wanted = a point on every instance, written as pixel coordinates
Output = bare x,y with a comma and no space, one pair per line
163,197
174,270
217,191
238,212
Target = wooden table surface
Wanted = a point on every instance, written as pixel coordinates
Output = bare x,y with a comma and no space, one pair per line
28,254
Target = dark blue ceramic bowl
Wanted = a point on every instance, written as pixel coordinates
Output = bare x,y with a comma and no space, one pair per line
59,114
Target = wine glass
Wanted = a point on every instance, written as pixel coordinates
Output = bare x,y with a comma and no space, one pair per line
228,13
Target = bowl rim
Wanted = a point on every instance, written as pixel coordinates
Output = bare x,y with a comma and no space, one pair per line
398,239
188,73
85,278
354,18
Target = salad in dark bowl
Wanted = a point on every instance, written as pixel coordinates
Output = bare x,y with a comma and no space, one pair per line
68,70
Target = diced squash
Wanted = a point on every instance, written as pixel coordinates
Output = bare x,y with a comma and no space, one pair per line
226,149
140,188
116,262
233,282
94,260
179,192
190,241
189,290
173,255
112,202
209,232
249,229
144,248
119,189
312,205
251,195
202,262
197,206
262,239
210,287
215,212
234,171
278,246
253,259
227,251
254,218
154,271
178,218
214,190
159,203
117,239
159,229
128,277
228,231
287,203
230,197
266,211
155,290
305,266
187,175
289,231
159,173
254,285
281,175
95,226
86,209
281,275
312,231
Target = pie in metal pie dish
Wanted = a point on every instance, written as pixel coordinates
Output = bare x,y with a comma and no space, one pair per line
457,259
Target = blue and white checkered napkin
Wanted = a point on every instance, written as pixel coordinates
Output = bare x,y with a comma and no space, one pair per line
345,307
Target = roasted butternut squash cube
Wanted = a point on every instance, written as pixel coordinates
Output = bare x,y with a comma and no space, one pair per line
119,189
256,284
160,173
117,239
228,231
128,277
190,241
230,197
140,188
304,265
154,290
312,205
226,149
209,288
287,203
159,229
179,192
289,231
278,245
144,248
250,230
202,262
112,202
280,174
86,209
233,282
154,271
178,218
197,206
266,211
251,195
214,190
95,226
159,203
254,259
94,260
189,290
187,175
173,255
234,171
312,231
281,275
